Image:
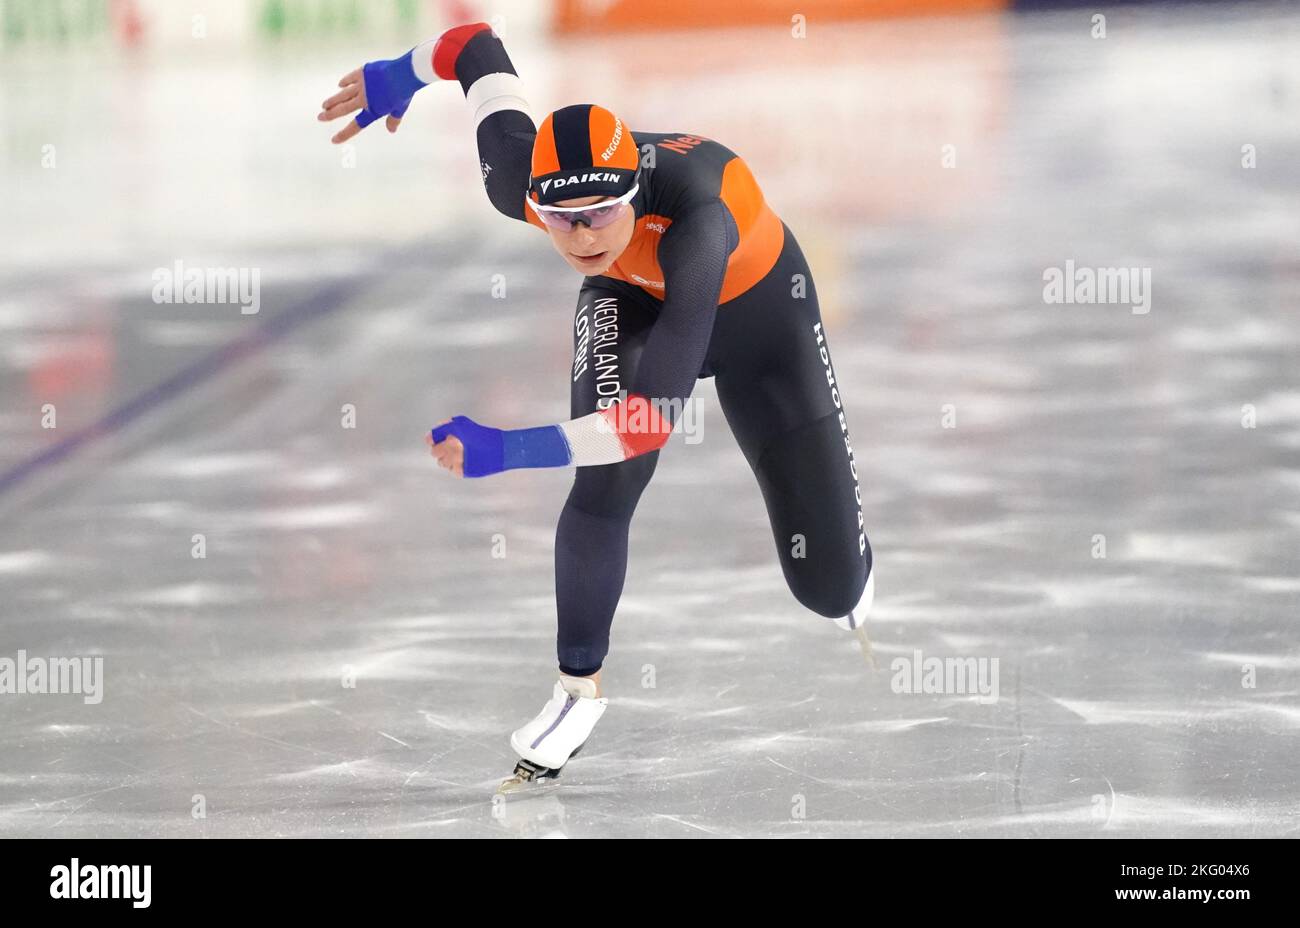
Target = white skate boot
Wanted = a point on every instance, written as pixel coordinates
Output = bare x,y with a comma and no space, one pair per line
557,733
856,621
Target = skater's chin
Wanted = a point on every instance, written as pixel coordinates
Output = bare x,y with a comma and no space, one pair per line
594,263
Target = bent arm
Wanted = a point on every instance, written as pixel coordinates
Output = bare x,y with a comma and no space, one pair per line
474,56
693,255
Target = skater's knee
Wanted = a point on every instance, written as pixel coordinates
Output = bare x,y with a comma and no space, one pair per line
830,593
612,489
831,602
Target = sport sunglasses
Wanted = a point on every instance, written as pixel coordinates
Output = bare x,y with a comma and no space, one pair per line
596,216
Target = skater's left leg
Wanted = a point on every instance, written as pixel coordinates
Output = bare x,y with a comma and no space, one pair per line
814,508
780,396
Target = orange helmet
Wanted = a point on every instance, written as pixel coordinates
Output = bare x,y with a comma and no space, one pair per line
582,150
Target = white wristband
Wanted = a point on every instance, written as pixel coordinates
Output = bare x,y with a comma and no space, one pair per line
492,93
422,61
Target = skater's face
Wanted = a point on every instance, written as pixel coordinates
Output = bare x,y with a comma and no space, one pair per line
592,251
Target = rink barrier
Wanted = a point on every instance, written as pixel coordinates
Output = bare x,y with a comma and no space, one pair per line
128,24
576,17
588,16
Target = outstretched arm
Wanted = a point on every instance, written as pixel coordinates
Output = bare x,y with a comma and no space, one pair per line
693,255
474,56
503,125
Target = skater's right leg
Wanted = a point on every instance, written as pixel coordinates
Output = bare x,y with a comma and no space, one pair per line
591,558
609,331
610,327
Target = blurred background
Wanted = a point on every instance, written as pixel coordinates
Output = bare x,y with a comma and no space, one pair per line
235,509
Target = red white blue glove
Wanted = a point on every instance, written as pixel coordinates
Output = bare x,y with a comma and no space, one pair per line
490,451
621,431
390,85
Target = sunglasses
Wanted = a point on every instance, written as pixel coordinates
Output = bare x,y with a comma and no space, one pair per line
596,216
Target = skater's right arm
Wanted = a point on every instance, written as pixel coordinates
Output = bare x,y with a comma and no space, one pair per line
474,56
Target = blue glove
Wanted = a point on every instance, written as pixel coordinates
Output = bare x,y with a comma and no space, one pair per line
484,445
490,451
390,85
366,117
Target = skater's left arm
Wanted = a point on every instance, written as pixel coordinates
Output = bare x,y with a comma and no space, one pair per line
473,55
693,255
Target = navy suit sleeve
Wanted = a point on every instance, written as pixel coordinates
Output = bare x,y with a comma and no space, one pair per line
693,255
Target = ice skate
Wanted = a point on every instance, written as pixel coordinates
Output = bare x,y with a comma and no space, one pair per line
856,621
554,736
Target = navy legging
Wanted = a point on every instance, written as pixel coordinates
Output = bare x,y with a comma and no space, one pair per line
770,357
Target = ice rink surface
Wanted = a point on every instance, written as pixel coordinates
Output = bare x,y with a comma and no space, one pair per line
1152,691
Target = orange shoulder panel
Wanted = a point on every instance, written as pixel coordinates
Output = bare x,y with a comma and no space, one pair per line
761,233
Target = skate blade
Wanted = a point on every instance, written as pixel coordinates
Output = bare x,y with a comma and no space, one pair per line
517,787
868,655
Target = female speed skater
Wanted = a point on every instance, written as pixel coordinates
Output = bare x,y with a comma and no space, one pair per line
687,273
